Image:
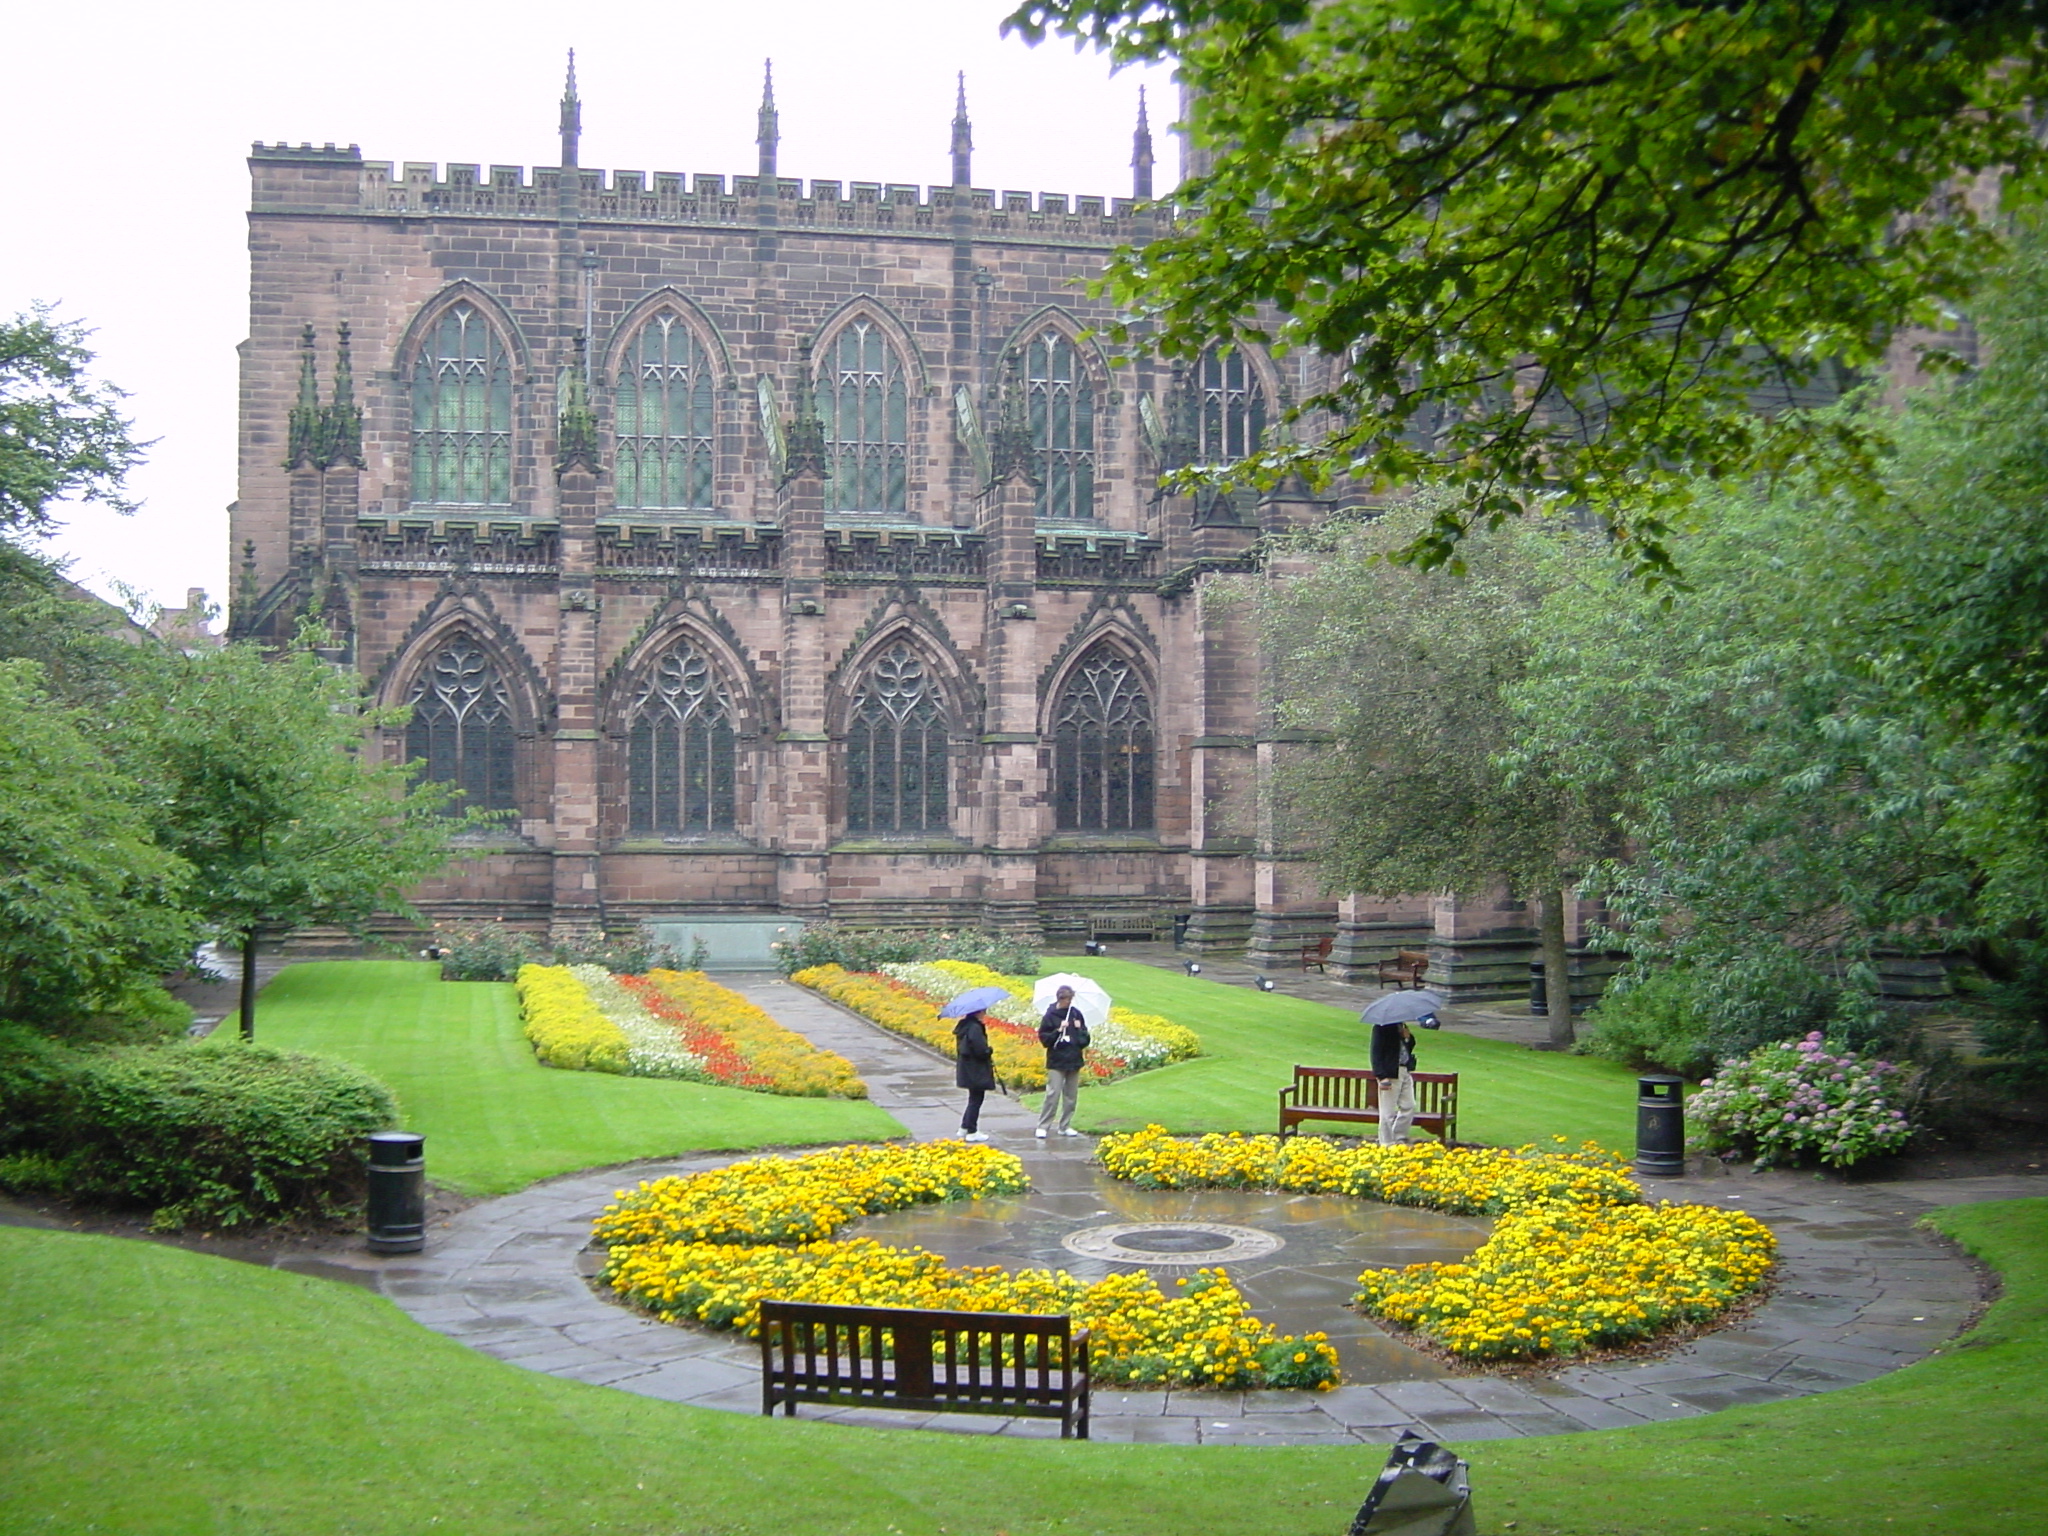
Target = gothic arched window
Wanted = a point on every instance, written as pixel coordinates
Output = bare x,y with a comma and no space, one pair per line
896,749
679,749
1230,408
462,414
461,726
865,406
1102,748
664,417
1062,406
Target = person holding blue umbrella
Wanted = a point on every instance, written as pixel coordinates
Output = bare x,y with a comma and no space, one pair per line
974,1059
1393,1056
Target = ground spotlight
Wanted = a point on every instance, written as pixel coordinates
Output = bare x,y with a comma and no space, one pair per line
1264,984
1094,947
1192,967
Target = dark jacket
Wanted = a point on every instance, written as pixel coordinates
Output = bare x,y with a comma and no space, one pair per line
974,1063
1392,1049
1063,1052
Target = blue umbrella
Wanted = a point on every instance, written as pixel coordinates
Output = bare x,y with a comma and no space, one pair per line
973,1001
1402,1007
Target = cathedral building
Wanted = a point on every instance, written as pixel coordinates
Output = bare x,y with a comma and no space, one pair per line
786,549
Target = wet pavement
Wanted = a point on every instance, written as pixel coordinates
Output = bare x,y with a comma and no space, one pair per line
1859,1289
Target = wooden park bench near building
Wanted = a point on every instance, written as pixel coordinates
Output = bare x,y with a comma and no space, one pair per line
1128,925
1316,952
1014,1364
1405,971
1351,1095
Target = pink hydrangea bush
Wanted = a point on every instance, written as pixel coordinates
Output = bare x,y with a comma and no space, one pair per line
1791,1102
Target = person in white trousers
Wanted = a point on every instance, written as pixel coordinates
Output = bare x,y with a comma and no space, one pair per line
1393,1063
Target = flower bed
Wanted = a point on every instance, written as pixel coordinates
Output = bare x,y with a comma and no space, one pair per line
566,1027
1784,1103
903,1010
771,1057
1465,1181
676,1024
710,1246
905,998
1576,1261
1127,1041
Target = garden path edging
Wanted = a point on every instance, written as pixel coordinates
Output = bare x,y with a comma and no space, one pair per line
1858,1292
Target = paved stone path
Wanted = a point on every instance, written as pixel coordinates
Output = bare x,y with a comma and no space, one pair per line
1859,1292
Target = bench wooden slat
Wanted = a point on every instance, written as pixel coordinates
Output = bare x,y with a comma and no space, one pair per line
907,1357
1351,1095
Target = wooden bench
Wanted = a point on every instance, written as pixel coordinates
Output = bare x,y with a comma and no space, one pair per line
1405,970
1014,1364
1351,1095
1316,952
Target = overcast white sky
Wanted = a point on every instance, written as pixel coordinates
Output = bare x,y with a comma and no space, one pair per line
127,125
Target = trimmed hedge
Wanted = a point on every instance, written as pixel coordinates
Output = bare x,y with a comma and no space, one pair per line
220,1133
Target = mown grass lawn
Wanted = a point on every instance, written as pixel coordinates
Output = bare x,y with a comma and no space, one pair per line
144,1389
497,1120
1507,1094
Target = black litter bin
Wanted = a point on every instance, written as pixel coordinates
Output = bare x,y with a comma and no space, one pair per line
1539,990
398,1192
1660,1126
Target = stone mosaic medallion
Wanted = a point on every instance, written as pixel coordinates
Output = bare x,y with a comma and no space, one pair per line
1153,1243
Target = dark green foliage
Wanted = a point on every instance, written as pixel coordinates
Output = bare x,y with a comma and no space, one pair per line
2016,1033
225,1134
1652,1023
88,901
1685,1019
62,436
862,949
1565,246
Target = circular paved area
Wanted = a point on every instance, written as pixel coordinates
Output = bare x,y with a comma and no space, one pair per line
1859,1292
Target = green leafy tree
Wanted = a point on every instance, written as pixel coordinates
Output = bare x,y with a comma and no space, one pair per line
264,788
1408,671
1571,245
62,435
89,904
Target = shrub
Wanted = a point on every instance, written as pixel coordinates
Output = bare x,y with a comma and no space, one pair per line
1651,1022
35,1078
222,1133
1784,1103
868,949
566,1027
494,952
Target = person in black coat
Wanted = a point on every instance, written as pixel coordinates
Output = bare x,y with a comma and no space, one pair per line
974,1068
1064,1034
1393,1063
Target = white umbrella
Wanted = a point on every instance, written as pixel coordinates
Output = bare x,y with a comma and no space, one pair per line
1088,996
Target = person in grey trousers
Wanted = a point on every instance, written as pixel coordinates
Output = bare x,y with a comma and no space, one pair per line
1064,1034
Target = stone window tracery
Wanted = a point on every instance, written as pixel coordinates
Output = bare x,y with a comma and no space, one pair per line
1230,408
462,726
896,751
1062,417
680,749
665,407
1102,748
462,414
864,403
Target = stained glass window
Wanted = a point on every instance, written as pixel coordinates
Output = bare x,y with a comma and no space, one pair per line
664,418
865,405
1102,748
679,749
462,726
1062,409
896,749
1230,408
462,414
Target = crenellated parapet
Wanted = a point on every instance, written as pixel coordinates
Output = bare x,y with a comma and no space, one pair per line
305,179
